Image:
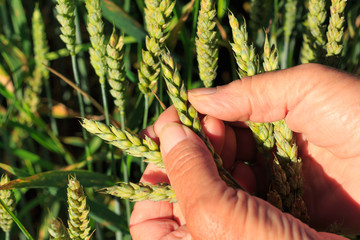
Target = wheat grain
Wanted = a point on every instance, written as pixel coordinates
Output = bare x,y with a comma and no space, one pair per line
78,210
126,141
207,43
142,191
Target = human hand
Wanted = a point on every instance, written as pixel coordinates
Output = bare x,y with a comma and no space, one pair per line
319,103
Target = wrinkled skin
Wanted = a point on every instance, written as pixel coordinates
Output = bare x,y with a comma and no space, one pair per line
320,104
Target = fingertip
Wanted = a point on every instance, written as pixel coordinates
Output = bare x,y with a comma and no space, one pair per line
215,130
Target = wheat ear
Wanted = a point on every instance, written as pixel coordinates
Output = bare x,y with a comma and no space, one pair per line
78,221
157,18
57,230
95,28
126,141
207,43
335,29
244,54
187,113
314,38
116,70
7,196
248,66
142,191
291,164
66,17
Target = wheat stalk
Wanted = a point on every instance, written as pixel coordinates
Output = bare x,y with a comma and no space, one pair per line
207,43
7,196
142,191
314,38
126,141
116,69
97,38
157,18
66,17
187,113
57,230
335,29
78,210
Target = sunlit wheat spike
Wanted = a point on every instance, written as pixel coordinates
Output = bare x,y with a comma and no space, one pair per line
271,60
57,230
291,164
65,15
314,38
335,29
207,43
116,69
7,196
263,134
78,210
187,113
142,191
157,18
126,141
95,28
244,54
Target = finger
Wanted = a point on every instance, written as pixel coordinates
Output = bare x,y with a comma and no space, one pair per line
146,210
153,229
244,175
246,145
228,154
187,160
215,130
260,98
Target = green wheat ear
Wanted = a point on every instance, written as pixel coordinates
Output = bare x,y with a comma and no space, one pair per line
78,210
116,70
335,29
7,196
66,17
314,38
207,43
57,230
157,18
97,38
142,191
126,141
188,114
244,54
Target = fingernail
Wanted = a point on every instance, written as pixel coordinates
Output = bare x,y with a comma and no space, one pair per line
170,136
202,91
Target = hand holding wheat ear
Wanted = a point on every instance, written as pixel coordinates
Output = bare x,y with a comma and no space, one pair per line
238,214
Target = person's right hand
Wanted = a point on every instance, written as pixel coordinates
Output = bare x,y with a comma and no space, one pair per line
320,104
323,106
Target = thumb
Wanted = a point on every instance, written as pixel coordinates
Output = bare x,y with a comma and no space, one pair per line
190,167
